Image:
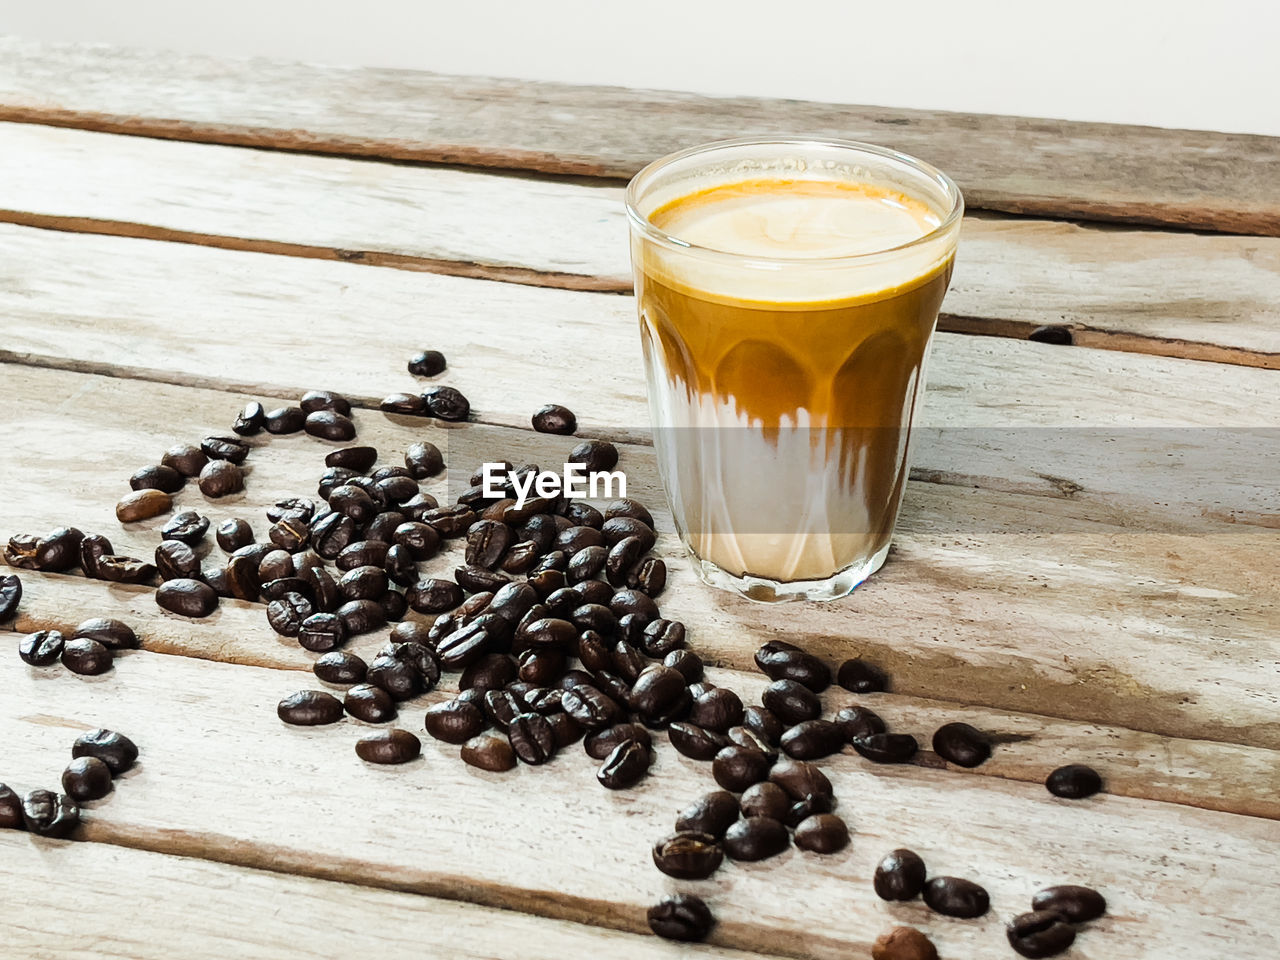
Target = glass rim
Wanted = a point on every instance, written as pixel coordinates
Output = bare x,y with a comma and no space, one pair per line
641,222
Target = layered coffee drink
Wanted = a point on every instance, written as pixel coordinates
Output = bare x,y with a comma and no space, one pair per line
787,300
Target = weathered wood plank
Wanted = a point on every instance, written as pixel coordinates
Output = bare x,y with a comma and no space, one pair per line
142,905
1026,603
1017,417
1167,293
1216,181
239,787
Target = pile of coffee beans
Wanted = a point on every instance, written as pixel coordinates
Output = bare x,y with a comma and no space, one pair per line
901,875
89,651
97,757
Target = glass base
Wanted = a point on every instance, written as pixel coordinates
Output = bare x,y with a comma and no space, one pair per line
839,584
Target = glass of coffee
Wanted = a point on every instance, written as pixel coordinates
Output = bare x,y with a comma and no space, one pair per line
788,291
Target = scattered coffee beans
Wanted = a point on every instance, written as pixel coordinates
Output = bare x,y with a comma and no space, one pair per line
110,633
370,704
340,668
187,598
711,814
755,838
454,721
221,478
158,477
554,418
625,766
886,747
42,648
427,363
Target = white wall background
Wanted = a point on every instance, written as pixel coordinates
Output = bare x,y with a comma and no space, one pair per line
1208,64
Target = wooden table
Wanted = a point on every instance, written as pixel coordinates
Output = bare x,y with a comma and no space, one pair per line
159,267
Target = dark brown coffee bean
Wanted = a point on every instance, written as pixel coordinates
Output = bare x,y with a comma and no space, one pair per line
113,634
554,418
125,570
250,420
784,661
617,529
662,642
354,502
688,855
628,508
822,833
625,766
735,768
886,747
141,505
586,563
487,543
59,550
241,578
532,738
339,667
903,943
763,723
710,814
597,593
86,657
85,779
695,742
541,666
359,459
333,478
370,704
493,671
47,814
687,663
962,744
287,613
503,706
187,598
395,490
649,576
284,420
400,678
186,458
454,721
186,527
755,838
233,534
603,742
858,676
221,478
446,403
10,809
332,534
116,750
656,691
361,616
420,540
363,553
1040,934
322,632
899,876
158,477
596,455
434,596
42,648
682,917
476,579
427,363
765,800
1055,334
800,779
802,810
813,740
465,645
590,707
92,549
858,722
791,702
314,400
388,746
176,560
1076,904
21,551
622,556
230,449
309,708
956,897
330,425
1074,782
489,752
717,709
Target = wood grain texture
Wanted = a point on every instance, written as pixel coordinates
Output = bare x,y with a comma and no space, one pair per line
132,904
1168,293
1115,430
1216,181
1017,602
240,787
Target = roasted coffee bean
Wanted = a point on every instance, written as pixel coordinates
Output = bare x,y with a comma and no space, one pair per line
858,722
186,527
476,579
386,472
319,632
332,534
628,662
388,746
465,645
284,420
813,740
338,666
899,876
125,570
434,596
1075,781
903,943
595,455
141,505
765,800
579,513
886,747
493,671
549,632
290,534
92,549
1040,934
454,721
10,595
613,687
21,551
186,458
628,508
962,744
1076,904
158,477
956,897
487,542
187,598
858,676
384,526
59,550
791,702
288,612
10,809
241,578
446,403
573,539
175,560
330,425
363,583
363,553
1055,334
116,750
88,658
250,420
333,478
354,502
400,678
784,661
521,557
594,616
621,557
800,779
420,657
662,642
710,814
755,838
590,707
625,766
395,490
292,508
233,534
541,666
683,917
314,400
369,703
763,723
586,563
427,363
744,737
220,478
811,806
361,616
113,634
532,738
502,706
717,709
423,460
541,530
47,814
603,742
554,418
735,768
687,663
309,708
688,855
657,690
695,742
420,540
648,575
617,529
822,833
359,459
489,752
85,779
598,593
224,448
42,648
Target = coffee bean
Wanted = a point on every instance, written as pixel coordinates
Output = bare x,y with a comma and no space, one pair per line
765,800
487,542
291,534
962,744
187,527
113,634
21,551
567,730
10,809
143,505
403,404
554,418
763,723
903,943
465,645
85,779
59,550
42,648
744,737
224,448
420,657
250,420
332,534
597,593
756,838
284,420
899,876
791,702
857,721
956,897
220,478
735,768
88,658
186,458
339,667
886,747
590,707
1056,334
10,595
369,704
822,833
784,661
603,742
309,708
175,560
648,576
800,779
388,746
683,917
710,814
446,403
454,721
399,678
48,814
92,549
718,709
395,490
688,855
532,738
687,663
116,750
1076,904
427,363
813,740
125,570
858,676
1075,781
233,534
477,579
158,477
696,743
489,752
1042,933
595,455
579,513
420,540
359,459
493,671
287,613
657,691
625,766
